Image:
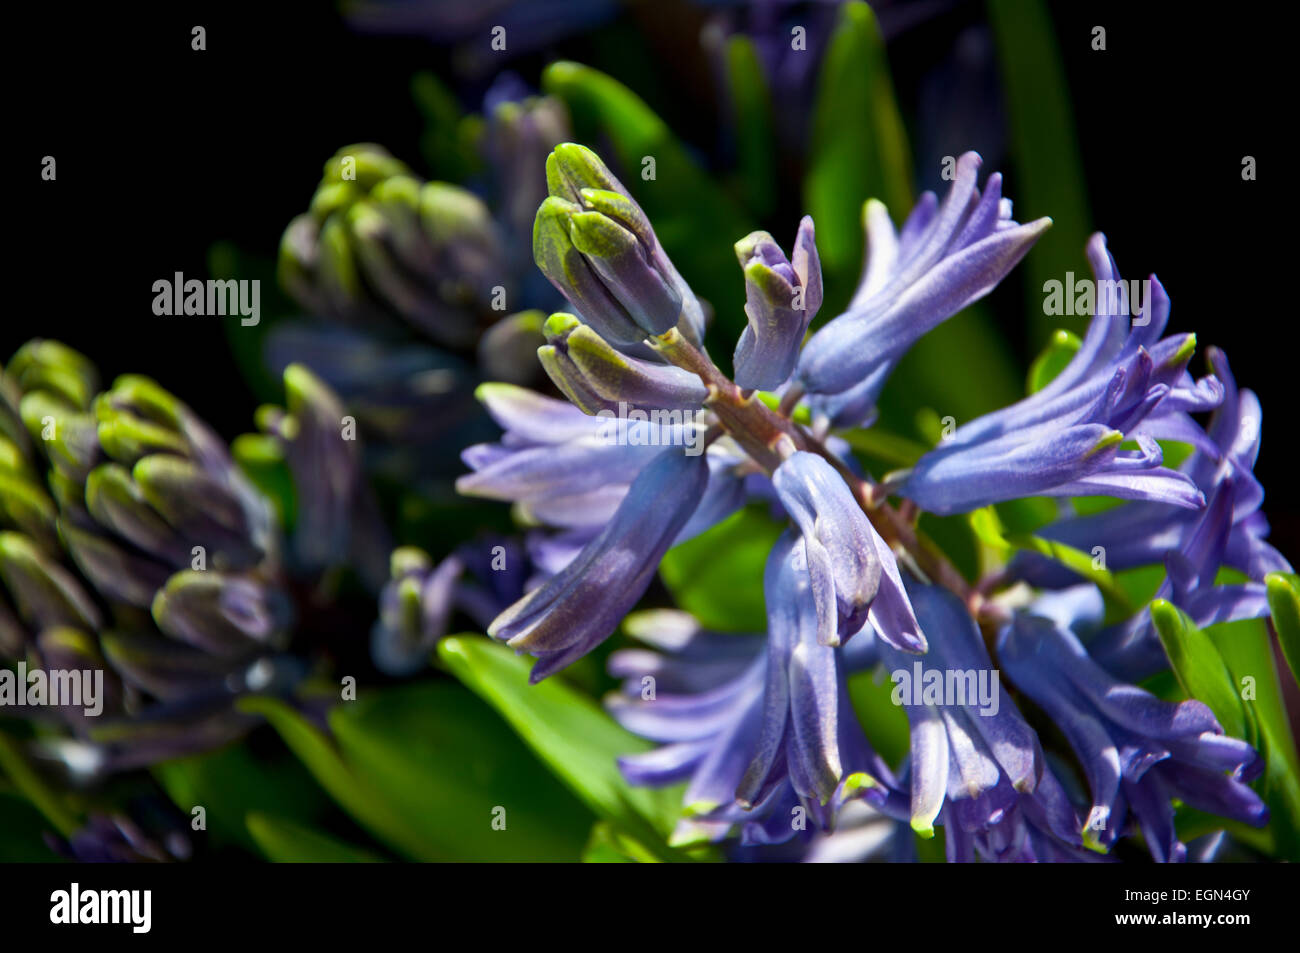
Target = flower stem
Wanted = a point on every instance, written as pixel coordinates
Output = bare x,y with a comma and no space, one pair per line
758,429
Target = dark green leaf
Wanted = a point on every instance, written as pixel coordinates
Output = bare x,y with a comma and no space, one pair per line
858,147
287,842
1048,174
571,734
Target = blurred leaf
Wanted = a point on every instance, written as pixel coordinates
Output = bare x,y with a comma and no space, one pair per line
880,445
718,575
231,782
354,793
884,722
1284,600
24,828
609,845
1191,824
425,767
1199,666
990,531
448,762
287,842
962,368
751,106
1247,650
571,734
858,147
1059,352
696,221
1048,170
442,140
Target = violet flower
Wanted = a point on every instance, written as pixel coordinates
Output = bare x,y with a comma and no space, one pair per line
1139,753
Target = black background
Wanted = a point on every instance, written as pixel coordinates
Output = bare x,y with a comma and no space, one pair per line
162,150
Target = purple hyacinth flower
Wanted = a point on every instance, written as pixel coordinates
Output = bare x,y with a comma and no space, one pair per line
580,606
782,296
566,470
853,574
945,257
1230,531
1138,752
762,728
1125,383
973,757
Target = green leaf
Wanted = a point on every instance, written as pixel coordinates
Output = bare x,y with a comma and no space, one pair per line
1247,649
569,733
443,140
1048,174
427,769
695,220
989,530
354,793
1198,665
287,842
884,722
609,845
446,761
718,576
1059,352
887,448
858,146
751,106
1284,601
232,782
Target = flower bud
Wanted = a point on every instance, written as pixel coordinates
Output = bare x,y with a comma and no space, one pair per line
781,299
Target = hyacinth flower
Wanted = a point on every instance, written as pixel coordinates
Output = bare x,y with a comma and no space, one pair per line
782,296
153,559
1230,532
580,606
761,727
1124,383
975,766
852,574
559,468
1139,753
597,482
945,257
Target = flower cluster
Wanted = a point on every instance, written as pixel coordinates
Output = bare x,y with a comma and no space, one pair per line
133,547
658,445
